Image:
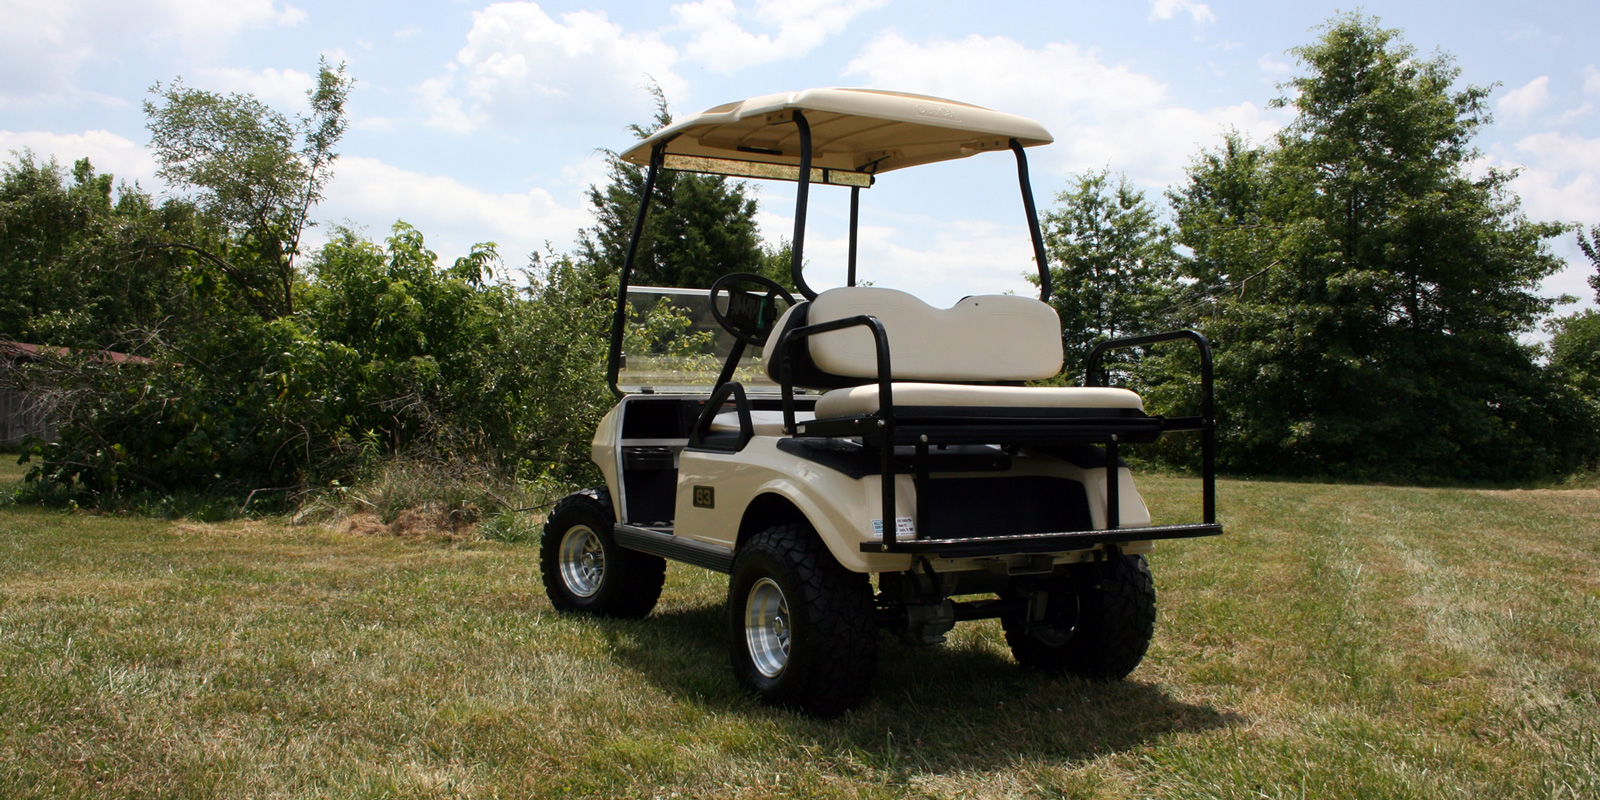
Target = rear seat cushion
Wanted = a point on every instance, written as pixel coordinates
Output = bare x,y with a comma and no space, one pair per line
980,339
863,400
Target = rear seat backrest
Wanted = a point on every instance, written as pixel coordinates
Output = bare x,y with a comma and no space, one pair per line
982,339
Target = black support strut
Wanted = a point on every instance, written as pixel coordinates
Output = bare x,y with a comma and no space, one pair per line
1033,221
619,320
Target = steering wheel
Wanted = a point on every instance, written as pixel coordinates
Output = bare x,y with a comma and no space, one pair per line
751,315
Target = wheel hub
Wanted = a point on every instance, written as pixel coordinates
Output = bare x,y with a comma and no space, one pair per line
583,561
767,627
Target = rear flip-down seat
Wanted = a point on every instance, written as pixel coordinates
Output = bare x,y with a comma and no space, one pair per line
1022,402
958,366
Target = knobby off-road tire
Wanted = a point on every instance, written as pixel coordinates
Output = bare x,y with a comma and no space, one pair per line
801,629
585,570
1098,622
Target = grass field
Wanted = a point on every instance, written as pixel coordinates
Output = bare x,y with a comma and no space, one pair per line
1338,642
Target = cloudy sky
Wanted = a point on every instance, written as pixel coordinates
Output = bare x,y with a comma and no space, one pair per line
481,122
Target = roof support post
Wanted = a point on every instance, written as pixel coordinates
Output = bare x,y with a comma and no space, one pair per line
1033,221
619,320
802,199
855,216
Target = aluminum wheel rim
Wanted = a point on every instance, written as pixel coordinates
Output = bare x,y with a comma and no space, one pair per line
583,560
767,627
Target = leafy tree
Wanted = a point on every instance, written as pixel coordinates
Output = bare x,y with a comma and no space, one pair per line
1114,270
390,354
1365,289
1590,246
253,376
44,220
567,322
75,266
1575,339
1575,352
254,170
700,227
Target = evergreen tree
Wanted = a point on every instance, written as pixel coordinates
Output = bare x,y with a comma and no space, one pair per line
699,228
1113,269
1366,289
1575,339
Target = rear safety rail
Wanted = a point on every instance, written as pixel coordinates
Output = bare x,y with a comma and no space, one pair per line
887,431
1206,422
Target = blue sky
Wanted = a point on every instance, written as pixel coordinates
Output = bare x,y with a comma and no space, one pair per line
478,122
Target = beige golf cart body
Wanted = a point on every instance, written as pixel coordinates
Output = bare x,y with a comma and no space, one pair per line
914,443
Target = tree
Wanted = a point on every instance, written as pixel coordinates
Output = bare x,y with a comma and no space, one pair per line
700,227
1590,246
255,170
44,219
74,264
1575,339
1575,352
1366,291
1113,268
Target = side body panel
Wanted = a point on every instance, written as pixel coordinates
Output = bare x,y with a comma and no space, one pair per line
603,451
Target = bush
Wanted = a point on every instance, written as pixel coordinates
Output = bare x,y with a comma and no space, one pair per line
388,356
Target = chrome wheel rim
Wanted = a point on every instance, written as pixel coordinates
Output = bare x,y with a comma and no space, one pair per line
767,627
583,560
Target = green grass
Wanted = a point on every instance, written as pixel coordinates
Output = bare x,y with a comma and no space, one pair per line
10,471
1339,641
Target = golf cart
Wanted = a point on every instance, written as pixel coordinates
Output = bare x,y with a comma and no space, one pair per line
856,459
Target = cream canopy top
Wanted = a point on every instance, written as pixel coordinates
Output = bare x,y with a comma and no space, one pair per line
855,134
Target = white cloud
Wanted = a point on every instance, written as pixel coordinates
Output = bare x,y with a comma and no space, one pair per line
1167,9
408,33
723,45
1591,79
1564,152
280,88
1274,68
1528,100
1573,114
109,153
593,170
1103,116
522,67
1559,181
43,45
452,214
182,20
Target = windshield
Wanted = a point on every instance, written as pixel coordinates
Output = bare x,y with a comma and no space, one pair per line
673,344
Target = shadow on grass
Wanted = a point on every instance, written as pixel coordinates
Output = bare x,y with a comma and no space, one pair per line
956,707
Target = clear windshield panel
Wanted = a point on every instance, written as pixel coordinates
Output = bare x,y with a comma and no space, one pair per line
674,344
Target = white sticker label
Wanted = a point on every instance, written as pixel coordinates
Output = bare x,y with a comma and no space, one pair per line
903,529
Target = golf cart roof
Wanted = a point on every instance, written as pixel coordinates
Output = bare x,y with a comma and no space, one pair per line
855,134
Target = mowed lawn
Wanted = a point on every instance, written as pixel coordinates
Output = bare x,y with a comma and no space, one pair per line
1339,642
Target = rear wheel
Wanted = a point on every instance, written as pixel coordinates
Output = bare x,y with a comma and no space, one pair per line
585,570
801,628
1097,620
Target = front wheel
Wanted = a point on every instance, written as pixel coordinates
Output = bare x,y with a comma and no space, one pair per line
801,628
584,568
1096,621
